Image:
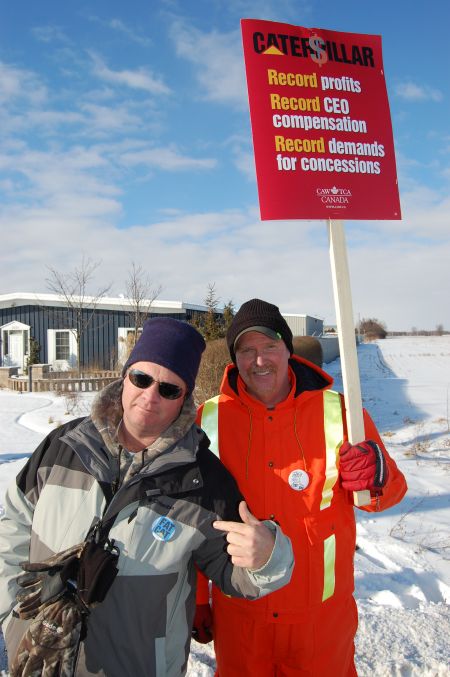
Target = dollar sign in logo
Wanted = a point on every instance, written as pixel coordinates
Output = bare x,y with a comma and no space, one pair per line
317,44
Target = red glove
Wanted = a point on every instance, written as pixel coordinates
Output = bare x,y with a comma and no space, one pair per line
362,466
203,624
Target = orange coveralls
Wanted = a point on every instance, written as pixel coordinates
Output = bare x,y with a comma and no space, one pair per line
307,627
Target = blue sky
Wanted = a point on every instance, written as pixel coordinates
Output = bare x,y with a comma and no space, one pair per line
125,137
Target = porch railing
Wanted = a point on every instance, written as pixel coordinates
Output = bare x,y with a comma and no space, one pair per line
60,382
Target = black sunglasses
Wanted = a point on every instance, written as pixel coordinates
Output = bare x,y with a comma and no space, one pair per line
140,379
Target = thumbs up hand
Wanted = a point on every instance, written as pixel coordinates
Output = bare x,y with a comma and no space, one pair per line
250,543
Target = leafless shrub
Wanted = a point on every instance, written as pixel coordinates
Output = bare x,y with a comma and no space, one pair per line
372,328
398,530
421,443
435,541
73,403
408,421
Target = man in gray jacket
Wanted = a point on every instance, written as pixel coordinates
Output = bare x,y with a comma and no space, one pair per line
137,470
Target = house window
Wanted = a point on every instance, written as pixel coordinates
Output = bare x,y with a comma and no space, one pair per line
62,352
131,334
126,336
62,345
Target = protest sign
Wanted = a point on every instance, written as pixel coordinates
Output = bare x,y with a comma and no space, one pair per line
321,125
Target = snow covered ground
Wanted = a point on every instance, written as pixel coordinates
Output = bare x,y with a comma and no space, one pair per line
402,566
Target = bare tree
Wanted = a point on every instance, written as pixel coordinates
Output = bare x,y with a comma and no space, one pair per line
140,294
72,287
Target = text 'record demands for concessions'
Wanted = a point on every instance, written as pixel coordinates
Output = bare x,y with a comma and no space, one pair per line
321,124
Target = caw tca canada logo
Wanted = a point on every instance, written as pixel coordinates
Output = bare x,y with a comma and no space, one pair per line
334,197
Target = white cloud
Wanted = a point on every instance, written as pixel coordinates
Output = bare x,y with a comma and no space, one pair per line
19,84
118,25
167,158
106,119
59,198
121,27
141,78
75,180
243,156
218,61
51,119
429,222
218,56
245,162
89,118
286,262
50,34
409,285
271,10
413,92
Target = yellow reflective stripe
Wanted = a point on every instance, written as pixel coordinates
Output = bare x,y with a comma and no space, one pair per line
210,423
329,559
334,435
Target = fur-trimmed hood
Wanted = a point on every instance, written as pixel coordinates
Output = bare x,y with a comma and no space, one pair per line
107,415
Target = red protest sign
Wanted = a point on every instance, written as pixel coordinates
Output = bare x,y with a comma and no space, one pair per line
321,125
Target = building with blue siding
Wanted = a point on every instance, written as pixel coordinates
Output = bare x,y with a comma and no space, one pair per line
48,320
104,343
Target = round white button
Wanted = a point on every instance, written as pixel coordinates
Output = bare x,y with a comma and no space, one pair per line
298,480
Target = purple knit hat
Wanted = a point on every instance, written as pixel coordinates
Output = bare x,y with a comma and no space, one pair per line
173,344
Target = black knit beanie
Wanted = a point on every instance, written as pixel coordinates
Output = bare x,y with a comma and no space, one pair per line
257,315
173,344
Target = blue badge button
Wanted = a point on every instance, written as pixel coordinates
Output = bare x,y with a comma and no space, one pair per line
163,528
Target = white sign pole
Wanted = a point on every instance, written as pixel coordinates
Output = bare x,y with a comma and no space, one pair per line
347,341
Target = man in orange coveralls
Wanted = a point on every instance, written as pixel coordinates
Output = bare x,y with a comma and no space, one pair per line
281,431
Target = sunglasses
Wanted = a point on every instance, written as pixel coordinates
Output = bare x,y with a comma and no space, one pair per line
140,379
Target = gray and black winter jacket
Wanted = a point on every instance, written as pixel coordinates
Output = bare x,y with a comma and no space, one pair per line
162,521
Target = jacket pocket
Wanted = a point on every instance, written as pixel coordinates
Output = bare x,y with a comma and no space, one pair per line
331,539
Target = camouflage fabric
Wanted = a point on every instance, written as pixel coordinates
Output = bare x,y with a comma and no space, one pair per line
50,594
49,648
45,582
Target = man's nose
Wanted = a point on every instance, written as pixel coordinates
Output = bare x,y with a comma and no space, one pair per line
259,360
